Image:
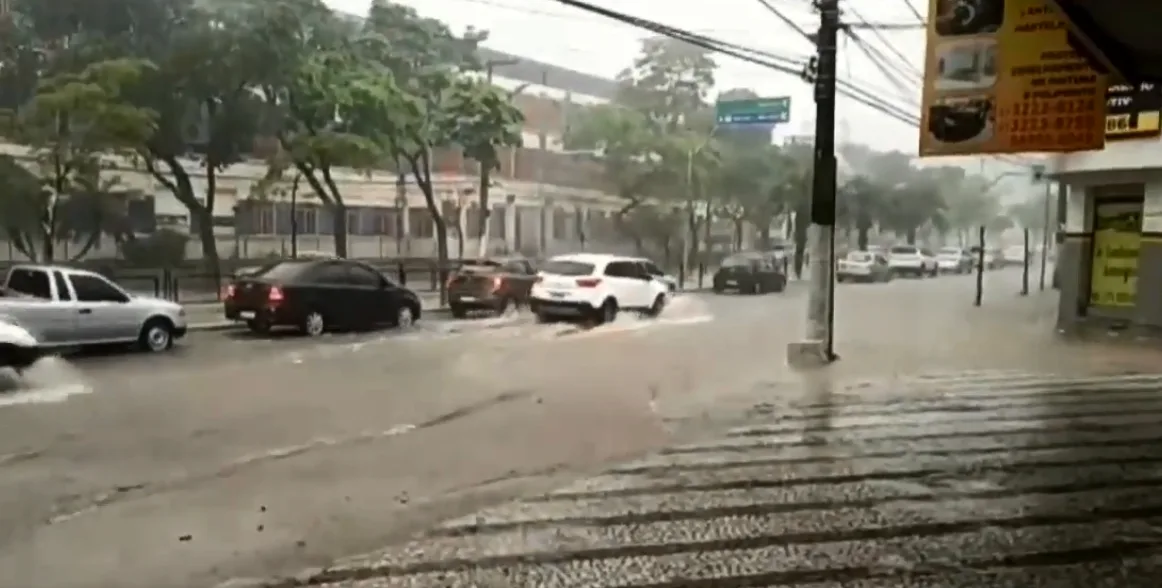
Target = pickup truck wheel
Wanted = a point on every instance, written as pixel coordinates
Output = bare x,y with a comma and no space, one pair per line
156,335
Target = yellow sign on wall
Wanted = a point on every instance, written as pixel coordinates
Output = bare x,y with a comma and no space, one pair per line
1117,241
1001,77
1133,111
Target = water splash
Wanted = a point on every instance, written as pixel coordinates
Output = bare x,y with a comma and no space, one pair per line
50,380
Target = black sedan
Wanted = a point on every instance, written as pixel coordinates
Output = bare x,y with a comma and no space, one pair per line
750,273
319,296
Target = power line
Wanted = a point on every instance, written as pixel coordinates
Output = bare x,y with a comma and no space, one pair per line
768,60
787,21
913,10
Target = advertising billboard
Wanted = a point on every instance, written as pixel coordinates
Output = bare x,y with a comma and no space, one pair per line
1133,112
1001,77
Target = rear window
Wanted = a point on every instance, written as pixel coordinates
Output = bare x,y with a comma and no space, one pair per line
283,272
950,251
739,261
563,267
904,250
859,256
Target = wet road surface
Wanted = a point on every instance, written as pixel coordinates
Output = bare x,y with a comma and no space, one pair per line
982,480
248,458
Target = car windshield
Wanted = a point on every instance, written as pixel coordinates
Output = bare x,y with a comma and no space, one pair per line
859,256
902,250
950,251
567,267
282,272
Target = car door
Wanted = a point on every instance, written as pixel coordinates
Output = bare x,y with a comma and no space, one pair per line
102,310
377,304
332,293
35,307
622,283
643,282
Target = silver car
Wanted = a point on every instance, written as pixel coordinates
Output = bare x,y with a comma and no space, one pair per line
66,308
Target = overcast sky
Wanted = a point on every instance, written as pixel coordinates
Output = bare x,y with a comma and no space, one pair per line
555,33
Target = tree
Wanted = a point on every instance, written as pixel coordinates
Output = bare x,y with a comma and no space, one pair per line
752,186
72,123
208,114
862,201
493,123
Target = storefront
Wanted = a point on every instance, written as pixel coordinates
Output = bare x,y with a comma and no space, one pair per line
1110,260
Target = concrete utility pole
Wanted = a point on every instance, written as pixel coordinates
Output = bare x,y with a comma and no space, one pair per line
819,346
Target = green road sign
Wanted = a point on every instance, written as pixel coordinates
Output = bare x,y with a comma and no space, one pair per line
756,111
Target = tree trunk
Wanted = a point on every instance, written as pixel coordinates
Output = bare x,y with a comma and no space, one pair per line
183,190
910,236
485,212
861,237
692,225
339,214
738,226
421,170
47,247
802,222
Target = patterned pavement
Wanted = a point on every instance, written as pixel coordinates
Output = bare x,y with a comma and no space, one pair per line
986,478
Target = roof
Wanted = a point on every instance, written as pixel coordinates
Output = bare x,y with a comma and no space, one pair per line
594,258
534,71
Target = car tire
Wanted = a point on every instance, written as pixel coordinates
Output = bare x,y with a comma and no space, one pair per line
657,307
405,316
607,313
780,284
156,335
502,306
458,311
314,323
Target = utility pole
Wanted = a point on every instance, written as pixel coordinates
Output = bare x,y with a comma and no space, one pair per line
1045,234
819,346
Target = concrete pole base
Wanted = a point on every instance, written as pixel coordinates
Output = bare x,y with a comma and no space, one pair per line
808,355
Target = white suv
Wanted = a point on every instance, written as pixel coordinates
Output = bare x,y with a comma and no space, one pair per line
911,260
597,287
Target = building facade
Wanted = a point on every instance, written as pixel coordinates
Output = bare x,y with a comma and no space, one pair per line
543,200
1109,258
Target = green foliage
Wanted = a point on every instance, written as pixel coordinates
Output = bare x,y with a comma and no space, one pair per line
72,123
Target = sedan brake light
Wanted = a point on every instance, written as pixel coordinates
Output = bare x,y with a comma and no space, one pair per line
275,295
588,282
497,283
229,293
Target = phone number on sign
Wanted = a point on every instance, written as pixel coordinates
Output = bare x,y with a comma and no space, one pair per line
1035,141
1067,106
1043,124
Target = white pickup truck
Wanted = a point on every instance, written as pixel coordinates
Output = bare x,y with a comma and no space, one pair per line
65,308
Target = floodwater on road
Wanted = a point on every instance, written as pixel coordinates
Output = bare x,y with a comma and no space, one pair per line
240,456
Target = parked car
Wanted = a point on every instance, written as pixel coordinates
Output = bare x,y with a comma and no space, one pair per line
595,287
494,285
660,274
318,296
954,260
66,308
992,258
863,266
750,273
910,260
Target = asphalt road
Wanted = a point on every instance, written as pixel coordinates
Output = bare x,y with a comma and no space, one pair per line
244,457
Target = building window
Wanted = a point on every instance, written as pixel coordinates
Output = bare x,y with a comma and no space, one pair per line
354,213
264,217
307,217
472,221
497,226
420,222
560,223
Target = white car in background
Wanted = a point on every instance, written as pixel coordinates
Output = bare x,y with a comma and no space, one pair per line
595,287
863,266
954,260
1014,255
910,260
